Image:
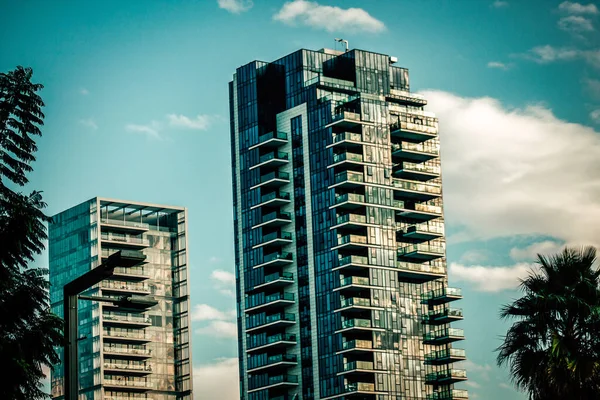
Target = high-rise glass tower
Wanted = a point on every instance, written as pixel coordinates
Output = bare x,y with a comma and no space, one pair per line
339,233
123,354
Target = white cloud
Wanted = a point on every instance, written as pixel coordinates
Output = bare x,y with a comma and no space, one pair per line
223,276
235,6
150,130
577,8
201,122
592,86
472,384
219,380
89,123
500,4
490,279
498,65
214,260
595,116
84,91
530,252
474,256
504,385
575,24
548,54
204,312
483,370
329,18
517,172
220,329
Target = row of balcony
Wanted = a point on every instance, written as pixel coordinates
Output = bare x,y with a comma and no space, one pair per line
445,356
271,140
133,287
138,369
127,383
124,240
273,341
453,394
120,335
124,225
127,352
443,316
446,376
272,321
283,380
275,361
417,211
126,319
406,270
272,301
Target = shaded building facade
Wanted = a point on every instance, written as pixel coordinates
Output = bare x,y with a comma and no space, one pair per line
126,354
339,233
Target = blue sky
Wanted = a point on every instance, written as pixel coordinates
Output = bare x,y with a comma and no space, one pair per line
137,108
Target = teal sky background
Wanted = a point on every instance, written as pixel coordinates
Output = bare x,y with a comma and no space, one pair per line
114,71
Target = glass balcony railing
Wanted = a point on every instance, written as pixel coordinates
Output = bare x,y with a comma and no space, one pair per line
441,293
425,268
445,353
126,318
127,383
356,323
140,287
125,239
359,365
416,186
137,270
342,219
280,337
281,358
349,176
347,157
354,280
342,198
274,195
128,367
280,317
353,260
430,228
272,135
444,333
427,169
288,276
277,215
276,235
273,380
452,373
274,175
350,136
357,344
446,312
356,239
120,222
270,299
360,387
127,350
275,155
411,126
428,208
421,247
454,394
355,301
418,147
127,335
283,255
348,115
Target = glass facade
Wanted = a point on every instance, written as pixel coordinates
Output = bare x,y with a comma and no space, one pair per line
125,354
339,233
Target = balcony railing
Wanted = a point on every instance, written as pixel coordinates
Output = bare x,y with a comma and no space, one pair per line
428,208
352,239
342,198
424,268
272,135
429,228
359,365
128,383
442,294
275,359
274,195
342,219
421,247
270,299
126,318
280,337
346,115
282,255
275,175
353,260
120,222
276,235
138,270
277,215
129,367
347,157
411,126
347,136
443,316
427,169
125,239
349,176
416,186
444,333
439,355
359,387
127,335
288,276
128,351
273,380
354,280
275,155
418,147
355,301
356,323
357,344
140,287
454,394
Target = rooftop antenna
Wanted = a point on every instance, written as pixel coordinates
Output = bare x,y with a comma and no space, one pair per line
342,41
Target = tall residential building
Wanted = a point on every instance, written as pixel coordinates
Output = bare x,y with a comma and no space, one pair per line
339,233
126,355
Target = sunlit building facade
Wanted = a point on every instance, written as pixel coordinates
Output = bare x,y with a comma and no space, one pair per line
339,233
126,355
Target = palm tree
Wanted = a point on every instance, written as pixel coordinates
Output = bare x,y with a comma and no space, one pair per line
28,330
553,348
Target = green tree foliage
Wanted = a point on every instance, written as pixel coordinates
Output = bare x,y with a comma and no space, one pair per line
553,348
28,330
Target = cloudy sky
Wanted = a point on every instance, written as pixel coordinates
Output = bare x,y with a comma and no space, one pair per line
137,108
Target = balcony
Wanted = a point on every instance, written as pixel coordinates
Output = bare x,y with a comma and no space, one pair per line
124,241
444,316
352,263
273,199
357,346
124,336
446,377
123,225
272,180
443,336
126,320
441,296
127,369
346,120
274,219
131,273
421,252
350,221
273,321
270,140
348,201
271,302
277,259
279,341
405,97
125,398
129,385
419,273
347,140
421,212
359,368
356,304
347,159
274,159
125,252
446,356
124,287
361,388
352,242
275,239
415,190
276,280
353,284
454,394
124,352
414,152
423,232
279,381
277,361
348,180
339,85
417,172
357,324
413,131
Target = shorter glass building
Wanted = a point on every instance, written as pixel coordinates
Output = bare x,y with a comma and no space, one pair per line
126,355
